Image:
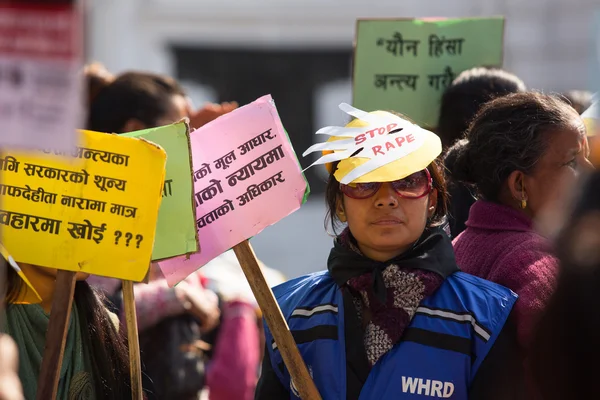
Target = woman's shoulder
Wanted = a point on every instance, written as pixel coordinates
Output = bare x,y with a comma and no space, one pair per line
305,291
499,238
308,280
528,249
312,278
520,247
469,287
528,267
466,298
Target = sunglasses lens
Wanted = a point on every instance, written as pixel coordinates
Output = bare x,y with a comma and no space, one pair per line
413,186
361,190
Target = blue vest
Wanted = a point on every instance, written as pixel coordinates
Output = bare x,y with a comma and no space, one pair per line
438,356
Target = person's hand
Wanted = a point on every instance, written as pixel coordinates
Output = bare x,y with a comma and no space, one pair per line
210,112
10,385
202,303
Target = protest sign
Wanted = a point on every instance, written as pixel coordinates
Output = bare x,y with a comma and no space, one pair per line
405,64
246,177
41,55
93,209
176,232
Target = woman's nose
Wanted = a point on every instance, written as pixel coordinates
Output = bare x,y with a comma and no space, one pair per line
386,196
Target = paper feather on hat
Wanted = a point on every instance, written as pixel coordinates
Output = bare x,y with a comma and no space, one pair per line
376,147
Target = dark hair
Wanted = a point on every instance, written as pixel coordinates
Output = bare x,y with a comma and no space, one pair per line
508,134
465,96
109,354
580,100
133,95
565,350
333,193
97,78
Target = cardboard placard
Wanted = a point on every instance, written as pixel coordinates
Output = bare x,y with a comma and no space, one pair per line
176,232
404,65
93,211
246,176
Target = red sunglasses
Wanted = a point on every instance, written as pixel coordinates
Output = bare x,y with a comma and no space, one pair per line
413,186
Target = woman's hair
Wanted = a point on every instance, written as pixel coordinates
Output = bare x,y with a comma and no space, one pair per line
465,96
106,346
333,194
565,350
510,133
143,96
97,77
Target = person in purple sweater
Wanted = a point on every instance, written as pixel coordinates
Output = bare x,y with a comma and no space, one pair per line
521,154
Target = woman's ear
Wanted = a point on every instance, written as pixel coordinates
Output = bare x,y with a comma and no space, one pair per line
517,188
339,210
432,204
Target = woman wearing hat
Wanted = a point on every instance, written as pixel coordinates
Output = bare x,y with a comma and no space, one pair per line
392,317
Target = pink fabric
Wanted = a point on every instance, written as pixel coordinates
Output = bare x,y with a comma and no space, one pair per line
233,369
154,301
500,245
233,372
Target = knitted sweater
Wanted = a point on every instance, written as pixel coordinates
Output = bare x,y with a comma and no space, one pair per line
500,245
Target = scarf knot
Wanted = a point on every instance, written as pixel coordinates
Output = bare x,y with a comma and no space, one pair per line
386,295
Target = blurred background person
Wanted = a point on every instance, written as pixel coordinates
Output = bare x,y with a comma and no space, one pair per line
134,101
516,146
460,103
565,353
181,351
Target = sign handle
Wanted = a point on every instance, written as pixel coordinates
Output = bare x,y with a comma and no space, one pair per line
56,335
135,365
279,328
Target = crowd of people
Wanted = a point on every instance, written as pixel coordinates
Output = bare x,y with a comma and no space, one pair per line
470,272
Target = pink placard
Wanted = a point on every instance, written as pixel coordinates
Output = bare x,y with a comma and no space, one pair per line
246,178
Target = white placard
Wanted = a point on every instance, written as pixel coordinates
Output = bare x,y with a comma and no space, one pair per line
41,57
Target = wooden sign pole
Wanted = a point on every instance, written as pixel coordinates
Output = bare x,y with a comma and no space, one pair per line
135,365
56,336
277,324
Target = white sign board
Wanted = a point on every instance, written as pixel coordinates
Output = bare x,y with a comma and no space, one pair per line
41,55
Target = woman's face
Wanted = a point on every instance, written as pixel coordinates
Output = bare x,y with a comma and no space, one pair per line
556,172
386,225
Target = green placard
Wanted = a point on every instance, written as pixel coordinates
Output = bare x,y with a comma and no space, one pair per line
176,232
404,65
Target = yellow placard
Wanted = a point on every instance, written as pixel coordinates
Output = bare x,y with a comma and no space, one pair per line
92,210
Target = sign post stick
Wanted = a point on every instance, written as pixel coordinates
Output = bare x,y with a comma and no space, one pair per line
135,365
285,342
56,336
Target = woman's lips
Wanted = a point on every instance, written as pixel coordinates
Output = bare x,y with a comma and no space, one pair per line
387,221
